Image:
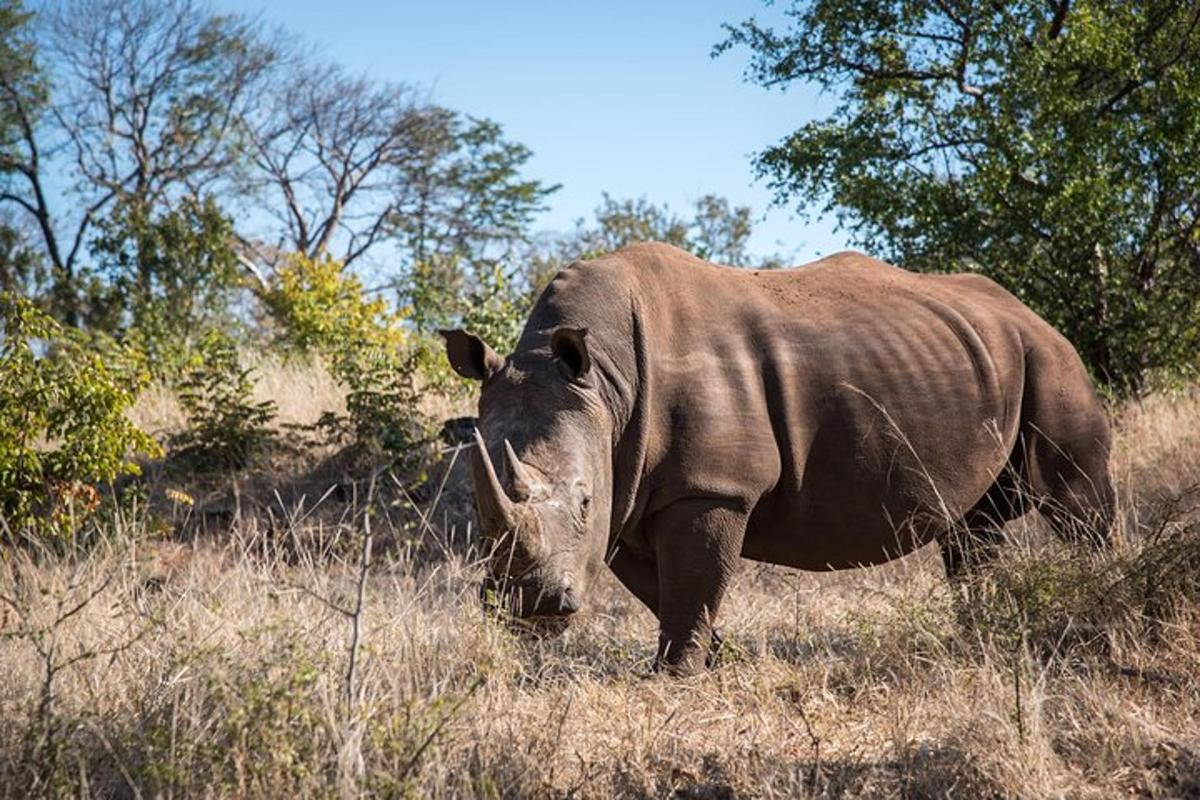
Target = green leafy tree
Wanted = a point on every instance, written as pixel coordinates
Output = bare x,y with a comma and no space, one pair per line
164,280
720,232
22,270
63,426
717,231
1051,146
22,88
22,96
467,210
619,222
464,196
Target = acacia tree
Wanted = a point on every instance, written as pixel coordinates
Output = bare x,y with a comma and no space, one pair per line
1050,145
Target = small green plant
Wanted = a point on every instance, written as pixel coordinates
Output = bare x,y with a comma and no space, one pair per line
63,428
382,413
227,428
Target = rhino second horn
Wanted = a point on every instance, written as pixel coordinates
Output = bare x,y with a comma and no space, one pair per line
497,513
522,482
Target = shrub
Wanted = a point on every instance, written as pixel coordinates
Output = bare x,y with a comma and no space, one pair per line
1055,598
322,308
63,428
492,304
496,309
226,429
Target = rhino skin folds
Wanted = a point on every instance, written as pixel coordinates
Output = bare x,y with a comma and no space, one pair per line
668,416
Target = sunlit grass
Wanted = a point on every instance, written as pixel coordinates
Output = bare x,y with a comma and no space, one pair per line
217,667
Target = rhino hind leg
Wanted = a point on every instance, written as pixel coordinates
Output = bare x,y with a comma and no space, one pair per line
1066,436
697,546
1072,484
1064,477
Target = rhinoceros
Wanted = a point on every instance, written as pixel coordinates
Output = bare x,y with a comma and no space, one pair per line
668,417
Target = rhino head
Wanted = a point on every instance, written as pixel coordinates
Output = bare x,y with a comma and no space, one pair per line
542,469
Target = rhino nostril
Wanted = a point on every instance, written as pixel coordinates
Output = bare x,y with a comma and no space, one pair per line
569,601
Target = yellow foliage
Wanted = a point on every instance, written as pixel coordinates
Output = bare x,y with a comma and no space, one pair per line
323,307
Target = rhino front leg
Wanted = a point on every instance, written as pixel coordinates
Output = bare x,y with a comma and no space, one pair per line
697,545
639,574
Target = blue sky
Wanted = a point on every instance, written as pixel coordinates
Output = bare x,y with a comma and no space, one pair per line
616,96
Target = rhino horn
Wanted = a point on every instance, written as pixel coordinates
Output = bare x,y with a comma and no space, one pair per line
522,482
497,513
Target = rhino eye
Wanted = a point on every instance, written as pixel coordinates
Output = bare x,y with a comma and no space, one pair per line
585,505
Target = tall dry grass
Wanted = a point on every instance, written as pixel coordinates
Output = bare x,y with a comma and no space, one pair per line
219,667
301,388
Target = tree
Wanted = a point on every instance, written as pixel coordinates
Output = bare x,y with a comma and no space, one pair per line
721,233
619,222
465,208
717,232
350,163
22,94
164,280
64,423
147,108
466,197
158,107
1051,146
331,151
21,269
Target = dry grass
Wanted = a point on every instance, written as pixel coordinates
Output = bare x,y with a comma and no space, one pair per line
218,668
302,390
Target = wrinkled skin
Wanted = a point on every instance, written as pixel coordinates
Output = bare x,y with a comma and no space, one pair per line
669,417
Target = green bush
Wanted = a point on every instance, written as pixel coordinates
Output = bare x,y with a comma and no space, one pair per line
63,428
226,429
496,309
480,296
321,308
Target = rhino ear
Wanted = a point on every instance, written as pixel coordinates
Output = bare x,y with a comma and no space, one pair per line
470,356
569,346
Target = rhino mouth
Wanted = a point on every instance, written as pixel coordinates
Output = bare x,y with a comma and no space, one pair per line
527,607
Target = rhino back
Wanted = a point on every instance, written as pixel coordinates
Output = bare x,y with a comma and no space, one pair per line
839,402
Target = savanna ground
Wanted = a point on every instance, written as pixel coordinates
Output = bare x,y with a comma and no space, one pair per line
205,649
